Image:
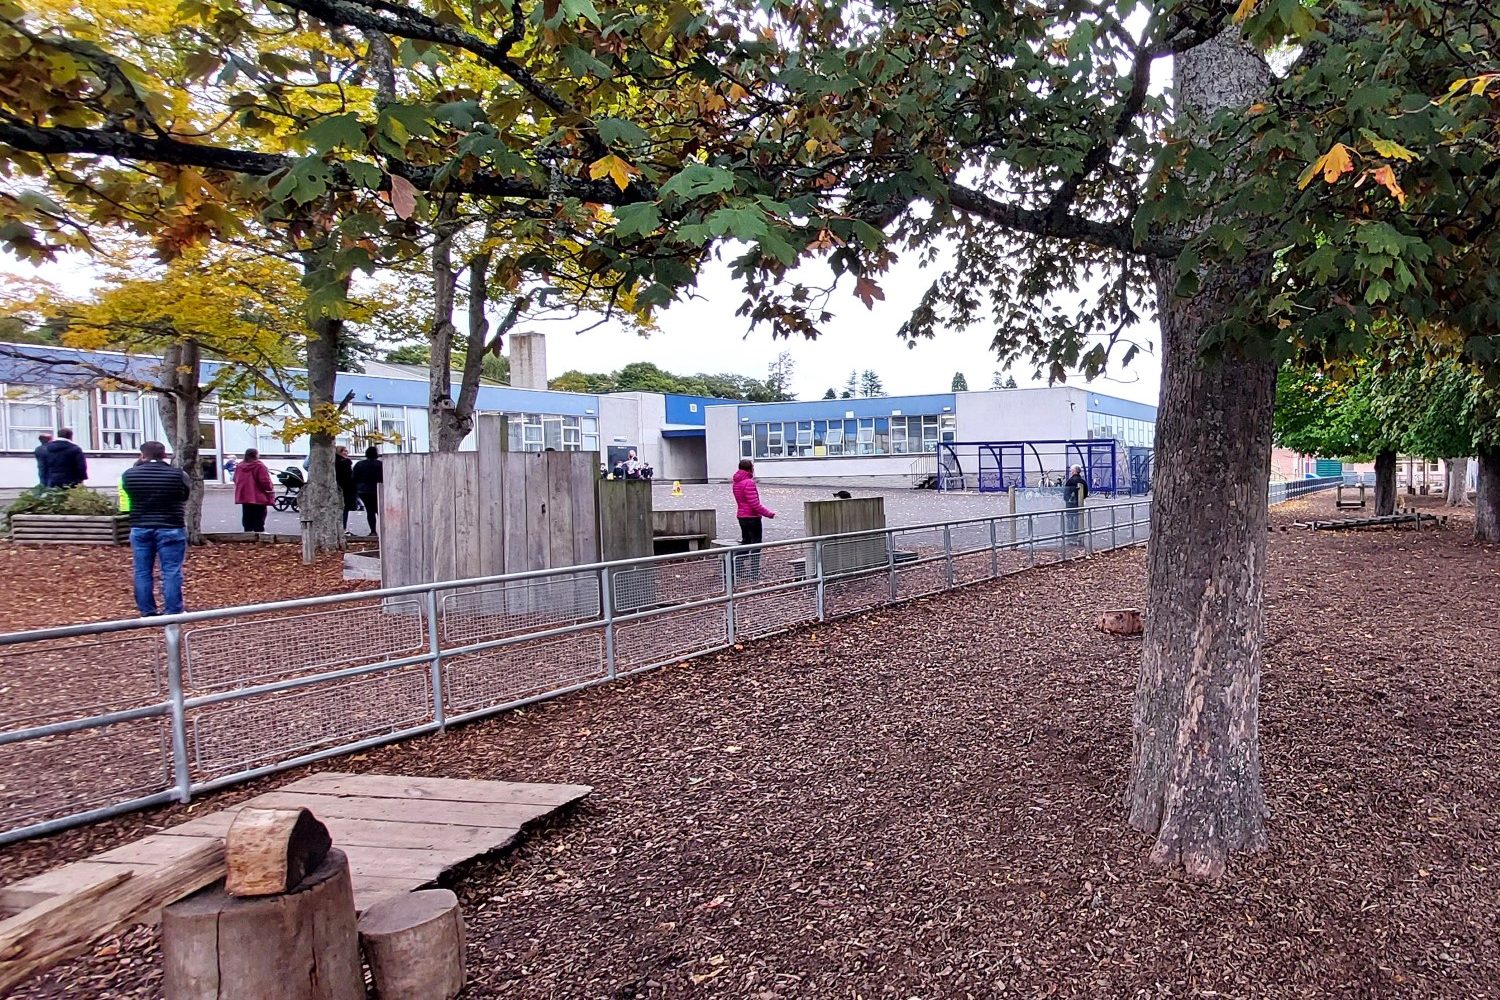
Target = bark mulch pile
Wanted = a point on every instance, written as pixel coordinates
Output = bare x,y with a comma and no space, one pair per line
925,801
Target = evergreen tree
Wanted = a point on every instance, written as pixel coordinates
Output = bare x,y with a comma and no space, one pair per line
870,384
960,384
830,394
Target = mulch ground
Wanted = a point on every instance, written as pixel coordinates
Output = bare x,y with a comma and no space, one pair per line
925,802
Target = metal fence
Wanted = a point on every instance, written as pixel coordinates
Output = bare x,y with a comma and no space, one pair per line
103,718
1291,489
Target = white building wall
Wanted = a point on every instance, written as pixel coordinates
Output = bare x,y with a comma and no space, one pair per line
722,437
684,459
620,424
1021,414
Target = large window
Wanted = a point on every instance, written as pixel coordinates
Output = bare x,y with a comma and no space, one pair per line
120,421
29,411
1130,432
560,432
870,436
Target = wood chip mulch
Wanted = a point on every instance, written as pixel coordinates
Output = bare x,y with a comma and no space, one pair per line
925,802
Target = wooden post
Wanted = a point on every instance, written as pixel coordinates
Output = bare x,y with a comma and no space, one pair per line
299,946
415,944
839,517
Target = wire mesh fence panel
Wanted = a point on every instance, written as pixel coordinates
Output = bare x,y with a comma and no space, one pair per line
56,680
920,578
671,581
266,648
233,736
859,592
1048,540
497,610
755,568
757,615
57,776
669,635
971,537
972,567
492,677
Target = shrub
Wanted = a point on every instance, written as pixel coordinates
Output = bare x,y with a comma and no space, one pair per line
50,500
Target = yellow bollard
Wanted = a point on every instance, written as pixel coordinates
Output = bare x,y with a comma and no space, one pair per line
676,488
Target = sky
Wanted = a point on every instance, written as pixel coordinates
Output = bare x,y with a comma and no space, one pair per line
704,335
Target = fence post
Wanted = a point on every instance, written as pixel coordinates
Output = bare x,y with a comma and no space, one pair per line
890,561
607,599
948,555
995,549
1088,530
822,581
1114,510
1031,539
729,595
180,778
435,651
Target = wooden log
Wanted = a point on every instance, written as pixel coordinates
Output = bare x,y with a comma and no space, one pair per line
299,946
415,944
63,927
270,851
1122,621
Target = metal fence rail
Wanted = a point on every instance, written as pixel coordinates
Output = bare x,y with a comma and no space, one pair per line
146,712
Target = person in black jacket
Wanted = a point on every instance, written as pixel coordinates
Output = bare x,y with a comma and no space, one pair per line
1075,492
62,463
41,458
368,474
158,527
343,474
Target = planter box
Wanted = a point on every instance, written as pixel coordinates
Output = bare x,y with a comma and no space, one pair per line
71,529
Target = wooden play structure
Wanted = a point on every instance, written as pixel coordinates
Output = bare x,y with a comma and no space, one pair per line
263,898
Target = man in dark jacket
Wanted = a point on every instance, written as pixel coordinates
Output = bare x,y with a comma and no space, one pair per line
1075,492
368,475
62,463
158,527
41,458
343,475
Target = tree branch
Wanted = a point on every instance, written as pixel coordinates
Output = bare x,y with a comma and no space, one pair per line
1109,236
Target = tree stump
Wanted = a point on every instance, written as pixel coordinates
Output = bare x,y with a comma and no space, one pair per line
1124,621
299,946
415,944
270,851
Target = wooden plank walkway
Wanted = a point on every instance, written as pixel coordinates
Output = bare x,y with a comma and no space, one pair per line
400,833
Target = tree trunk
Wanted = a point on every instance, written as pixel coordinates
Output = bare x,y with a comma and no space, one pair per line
1458,481
179,404
322,505
1385,483
1195,776
441,429
1487,500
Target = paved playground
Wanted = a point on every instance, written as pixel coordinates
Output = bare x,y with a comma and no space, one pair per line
903,507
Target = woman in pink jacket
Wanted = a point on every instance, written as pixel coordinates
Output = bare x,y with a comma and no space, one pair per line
253,491
748,511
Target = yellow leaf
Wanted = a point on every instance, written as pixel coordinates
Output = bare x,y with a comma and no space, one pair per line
1392,150
1386,177
615,168
1258,108
1333,164
737,93
1482,82
1244,10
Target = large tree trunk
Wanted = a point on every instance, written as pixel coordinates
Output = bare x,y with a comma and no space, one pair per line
1487,500
1458,481
322,505
1195,776
179,405
441,426
1385,483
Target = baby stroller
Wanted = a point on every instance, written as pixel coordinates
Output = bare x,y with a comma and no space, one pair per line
292,481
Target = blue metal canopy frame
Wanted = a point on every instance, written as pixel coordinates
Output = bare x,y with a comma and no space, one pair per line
1002,465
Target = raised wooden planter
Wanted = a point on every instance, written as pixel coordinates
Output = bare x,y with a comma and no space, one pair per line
71,529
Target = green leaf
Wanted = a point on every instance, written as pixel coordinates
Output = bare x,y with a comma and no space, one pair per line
639,219
336,130
742,223
366,175
698,179
574,9
306,182
613,130
774,245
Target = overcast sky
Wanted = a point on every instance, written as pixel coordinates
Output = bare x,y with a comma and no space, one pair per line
704,335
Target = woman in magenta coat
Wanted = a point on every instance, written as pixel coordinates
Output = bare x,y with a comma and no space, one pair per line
253,490
748,510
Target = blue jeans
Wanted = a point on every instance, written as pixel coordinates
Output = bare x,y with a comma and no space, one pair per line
148,545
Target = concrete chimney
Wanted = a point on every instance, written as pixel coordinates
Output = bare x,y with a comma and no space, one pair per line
528,360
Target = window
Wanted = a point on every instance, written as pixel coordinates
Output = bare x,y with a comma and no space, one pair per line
590,428
29,411
120,421
393,425
842,437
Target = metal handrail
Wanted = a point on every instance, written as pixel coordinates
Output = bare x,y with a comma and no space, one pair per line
1078,533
